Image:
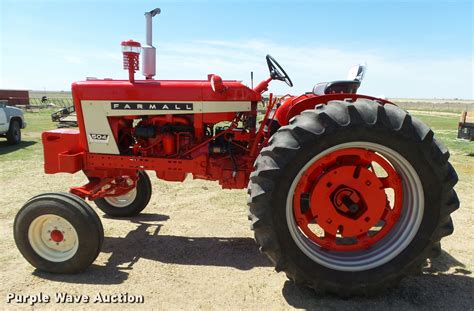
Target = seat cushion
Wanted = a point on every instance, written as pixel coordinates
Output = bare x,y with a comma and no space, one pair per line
345,86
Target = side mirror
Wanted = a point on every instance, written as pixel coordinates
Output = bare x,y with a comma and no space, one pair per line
357,72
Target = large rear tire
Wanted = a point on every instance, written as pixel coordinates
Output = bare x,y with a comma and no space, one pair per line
351,197
58,233
131,203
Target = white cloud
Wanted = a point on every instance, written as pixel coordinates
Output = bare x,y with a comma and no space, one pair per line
388,74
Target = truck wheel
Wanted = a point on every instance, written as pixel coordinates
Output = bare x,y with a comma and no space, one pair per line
14,133
58,233
351,197
129,204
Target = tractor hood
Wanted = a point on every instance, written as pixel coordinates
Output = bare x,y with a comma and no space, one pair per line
162,90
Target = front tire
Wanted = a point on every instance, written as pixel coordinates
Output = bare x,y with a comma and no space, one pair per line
58,233
131,203
14,133
321,205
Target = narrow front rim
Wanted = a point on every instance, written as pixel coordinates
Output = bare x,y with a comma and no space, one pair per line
53,238
406,218
123,200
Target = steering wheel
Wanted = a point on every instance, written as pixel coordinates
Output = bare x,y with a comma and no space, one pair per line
276,72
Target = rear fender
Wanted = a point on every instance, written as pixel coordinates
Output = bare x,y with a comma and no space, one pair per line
293,106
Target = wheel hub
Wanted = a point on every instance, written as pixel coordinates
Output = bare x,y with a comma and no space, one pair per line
347,201
343,195
53,237
57,236
344,210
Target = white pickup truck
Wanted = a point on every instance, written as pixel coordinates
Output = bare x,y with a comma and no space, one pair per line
11,123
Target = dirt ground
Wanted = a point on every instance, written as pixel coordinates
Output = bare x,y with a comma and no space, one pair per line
192,249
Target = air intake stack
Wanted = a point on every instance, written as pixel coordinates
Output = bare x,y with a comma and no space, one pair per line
131,55
149,51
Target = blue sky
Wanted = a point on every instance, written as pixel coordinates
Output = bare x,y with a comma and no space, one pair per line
418,49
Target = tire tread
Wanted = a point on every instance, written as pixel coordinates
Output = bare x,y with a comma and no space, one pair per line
312,124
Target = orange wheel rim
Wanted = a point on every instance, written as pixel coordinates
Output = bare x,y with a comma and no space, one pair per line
348,200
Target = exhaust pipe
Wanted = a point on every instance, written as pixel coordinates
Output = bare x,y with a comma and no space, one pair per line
149,51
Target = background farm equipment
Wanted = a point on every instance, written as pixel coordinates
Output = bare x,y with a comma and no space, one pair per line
348,193
66,117
466,126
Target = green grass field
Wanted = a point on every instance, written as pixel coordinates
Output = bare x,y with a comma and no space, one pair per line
30,146
445,128
39,121
53,94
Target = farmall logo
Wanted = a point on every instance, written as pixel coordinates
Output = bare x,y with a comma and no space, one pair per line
152,106
99,138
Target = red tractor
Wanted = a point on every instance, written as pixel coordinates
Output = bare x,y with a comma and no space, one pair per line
347,193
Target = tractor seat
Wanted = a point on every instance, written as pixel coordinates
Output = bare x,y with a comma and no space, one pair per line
345,86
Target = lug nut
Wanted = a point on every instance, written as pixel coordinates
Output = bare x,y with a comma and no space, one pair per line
353,208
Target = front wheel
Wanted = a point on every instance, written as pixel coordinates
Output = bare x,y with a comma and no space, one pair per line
14,133
58,232
129,204
351,197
